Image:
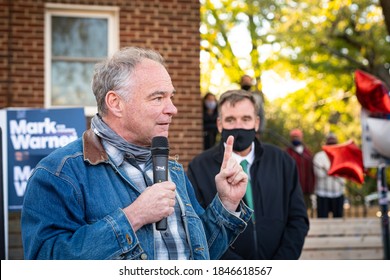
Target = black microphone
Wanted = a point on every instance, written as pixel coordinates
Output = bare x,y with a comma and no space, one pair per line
160,150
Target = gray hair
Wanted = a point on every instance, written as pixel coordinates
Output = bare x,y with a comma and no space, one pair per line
234,96
114,73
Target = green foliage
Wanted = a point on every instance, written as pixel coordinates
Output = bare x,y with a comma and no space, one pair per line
318,42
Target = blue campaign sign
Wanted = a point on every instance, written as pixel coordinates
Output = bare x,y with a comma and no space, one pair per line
31,134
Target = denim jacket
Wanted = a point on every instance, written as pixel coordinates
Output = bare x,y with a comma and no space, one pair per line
73,210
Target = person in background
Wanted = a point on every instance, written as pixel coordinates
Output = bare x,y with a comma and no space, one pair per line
210,114
328,189
95,198
246,83
304,160
279,223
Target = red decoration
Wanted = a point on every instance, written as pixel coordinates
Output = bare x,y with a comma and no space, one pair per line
346,160
372,93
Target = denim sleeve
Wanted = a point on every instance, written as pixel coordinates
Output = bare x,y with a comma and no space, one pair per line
221,226
54,225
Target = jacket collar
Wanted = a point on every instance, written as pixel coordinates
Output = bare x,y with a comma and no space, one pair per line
93,149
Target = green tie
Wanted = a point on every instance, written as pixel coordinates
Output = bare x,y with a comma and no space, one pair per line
248,194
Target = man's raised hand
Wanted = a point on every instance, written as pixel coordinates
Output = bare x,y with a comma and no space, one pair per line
231,181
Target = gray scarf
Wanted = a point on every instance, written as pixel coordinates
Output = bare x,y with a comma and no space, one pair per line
101,129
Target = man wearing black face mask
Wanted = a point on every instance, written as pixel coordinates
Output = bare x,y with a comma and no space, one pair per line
246,82
279,223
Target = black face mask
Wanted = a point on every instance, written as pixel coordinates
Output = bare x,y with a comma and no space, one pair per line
243,138
296,143
246,87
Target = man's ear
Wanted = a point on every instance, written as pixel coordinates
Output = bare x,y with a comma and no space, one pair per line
257,123
219,124
114,103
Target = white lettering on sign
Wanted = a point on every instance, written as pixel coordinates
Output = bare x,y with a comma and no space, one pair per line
21,176
40,135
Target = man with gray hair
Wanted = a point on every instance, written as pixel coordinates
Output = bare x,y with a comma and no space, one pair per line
279,222
95,198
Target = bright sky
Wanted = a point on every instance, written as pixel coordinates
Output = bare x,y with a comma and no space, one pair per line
275,86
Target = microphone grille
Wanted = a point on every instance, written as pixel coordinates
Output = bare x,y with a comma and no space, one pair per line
160,145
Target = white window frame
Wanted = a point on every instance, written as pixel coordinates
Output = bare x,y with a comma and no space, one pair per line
111,13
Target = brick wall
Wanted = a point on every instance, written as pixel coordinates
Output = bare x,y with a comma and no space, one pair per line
169,26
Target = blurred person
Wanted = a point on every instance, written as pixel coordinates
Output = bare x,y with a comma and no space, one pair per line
279,223
210,114
329,189
95,198
246,83
304,160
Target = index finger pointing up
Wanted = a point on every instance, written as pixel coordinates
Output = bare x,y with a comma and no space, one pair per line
228,151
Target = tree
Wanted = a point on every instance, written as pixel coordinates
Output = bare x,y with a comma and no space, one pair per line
340,36
219,20
319,42
386,13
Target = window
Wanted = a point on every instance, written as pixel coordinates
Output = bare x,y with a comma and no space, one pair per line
76,38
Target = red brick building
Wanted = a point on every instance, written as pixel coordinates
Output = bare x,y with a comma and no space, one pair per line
39,47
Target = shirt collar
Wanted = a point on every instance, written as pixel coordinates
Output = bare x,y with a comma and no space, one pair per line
249,157
116,155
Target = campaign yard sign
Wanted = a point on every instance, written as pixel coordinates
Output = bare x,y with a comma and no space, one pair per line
28,136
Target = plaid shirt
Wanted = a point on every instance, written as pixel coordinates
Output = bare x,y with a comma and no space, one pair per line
170,244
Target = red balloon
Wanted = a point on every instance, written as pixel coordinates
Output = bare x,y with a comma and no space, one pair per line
346,160
372,93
